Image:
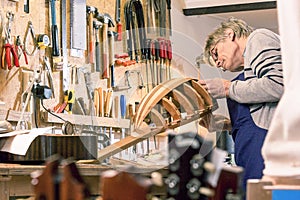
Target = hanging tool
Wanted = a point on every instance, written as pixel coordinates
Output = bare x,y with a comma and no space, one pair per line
65,72
54,29
20,49
49,74
8,46
30,31
111,60
134,13
123,113
151,17
118,20
91,11
149,60
26,6
169,16
162,56
169,56
78,24
155,57
162,17
97,25
107,22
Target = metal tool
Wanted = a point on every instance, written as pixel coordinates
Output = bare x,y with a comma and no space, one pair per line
97,25
107,22
91,11
123,113
30,32
49,74
118,20
111,60
169,56
8,46
66,72
54,30
26,6
134,14
169,16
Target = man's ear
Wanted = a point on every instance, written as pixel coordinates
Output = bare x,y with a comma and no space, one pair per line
233,36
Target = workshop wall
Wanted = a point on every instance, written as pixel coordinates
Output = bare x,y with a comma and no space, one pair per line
15,82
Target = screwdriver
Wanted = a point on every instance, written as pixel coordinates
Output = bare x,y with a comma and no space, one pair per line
162,56
123,113
169,56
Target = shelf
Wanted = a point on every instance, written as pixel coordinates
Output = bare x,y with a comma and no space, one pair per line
229,8
87,120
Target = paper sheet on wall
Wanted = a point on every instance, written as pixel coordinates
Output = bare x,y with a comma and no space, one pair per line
19,141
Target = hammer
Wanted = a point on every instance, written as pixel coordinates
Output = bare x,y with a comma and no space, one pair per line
97,24
107,22
91,11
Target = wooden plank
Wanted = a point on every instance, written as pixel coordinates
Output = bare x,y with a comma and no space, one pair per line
87,120
183,101
171,108
203,93
157,118
193,94
142,134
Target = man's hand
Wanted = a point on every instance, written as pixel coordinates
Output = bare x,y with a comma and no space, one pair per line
218,88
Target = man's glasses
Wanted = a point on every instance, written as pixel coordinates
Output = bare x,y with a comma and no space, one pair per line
214,51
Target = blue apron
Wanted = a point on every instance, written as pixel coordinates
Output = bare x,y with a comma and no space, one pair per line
248,139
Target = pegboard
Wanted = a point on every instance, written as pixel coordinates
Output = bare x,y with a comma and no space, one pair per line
15,81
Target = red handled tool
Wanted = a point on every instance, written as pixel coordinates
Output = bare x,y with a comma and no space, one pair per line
169,56
20,49
9,48
118,20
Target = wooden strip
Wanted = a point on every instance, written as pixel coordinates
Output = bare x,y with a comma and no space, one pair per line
157,118
171,108
183,101
96,102
140,135
151,100
145,100
100,93
203,93
193,94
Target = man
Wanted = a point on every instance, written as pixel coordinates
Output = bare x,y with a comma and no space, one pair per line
253,96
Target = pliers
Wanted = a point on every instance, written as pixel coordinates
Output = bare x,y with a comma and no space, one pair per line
20,49
9,48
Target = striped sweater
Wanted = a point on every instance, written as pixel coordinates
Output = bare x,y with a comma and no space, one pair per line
263,85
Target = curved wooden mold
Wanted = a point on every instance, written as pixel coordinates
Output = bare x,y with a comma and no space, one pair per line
187,93
154,96
175,95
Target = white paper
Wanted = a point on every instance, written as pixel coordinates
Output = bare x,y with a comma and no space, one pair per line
19,143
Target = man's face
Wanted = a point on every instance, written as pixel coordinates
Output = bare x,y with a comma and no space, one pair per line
226,54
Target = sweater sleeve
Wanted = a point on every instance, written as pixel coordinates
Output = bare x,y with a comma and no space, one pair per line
263,70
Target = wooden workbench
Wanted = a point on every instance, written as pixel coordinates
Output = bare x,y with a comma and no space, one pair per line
15,180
